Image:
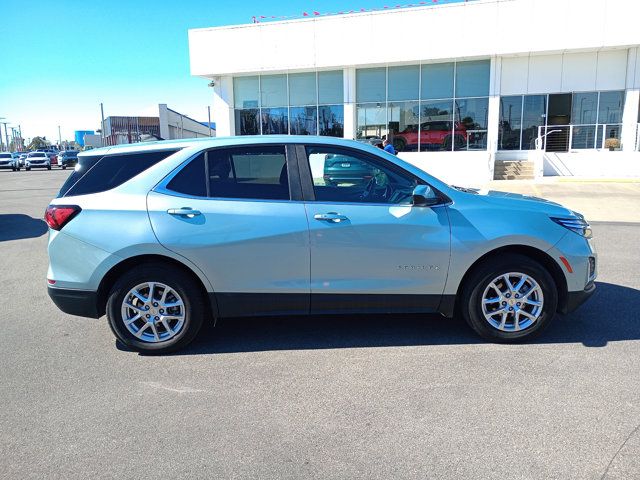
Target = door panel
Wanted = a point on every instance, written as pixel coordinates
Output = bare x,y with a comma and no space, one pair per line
379,249
370,249
228,212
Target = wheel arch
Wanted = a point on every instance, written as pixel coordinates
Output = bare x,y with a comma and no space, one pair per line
117,270
535,254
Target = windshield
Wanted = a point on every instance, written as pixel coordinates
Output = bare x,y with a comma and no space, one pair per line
37,154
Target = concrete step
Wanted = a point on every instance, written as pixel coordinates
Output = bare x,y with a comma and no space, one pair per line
514,177
514,170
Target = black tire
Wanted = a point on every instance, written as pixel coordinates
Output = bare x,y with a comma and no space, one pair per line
471,297
64,167
181,282
28,169
49,167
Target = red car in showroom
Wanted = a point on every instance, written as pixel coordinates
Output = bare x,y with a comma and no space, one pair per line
434,135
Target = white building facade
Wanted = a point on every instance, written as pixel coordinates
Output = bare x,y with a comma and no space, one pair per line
461,89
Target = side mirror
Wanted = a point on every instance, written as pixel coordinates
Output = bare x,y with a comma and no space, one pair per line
424,196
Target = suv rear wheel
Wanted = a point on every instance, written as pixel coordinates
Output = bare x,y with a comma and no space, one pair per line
154,308
509,299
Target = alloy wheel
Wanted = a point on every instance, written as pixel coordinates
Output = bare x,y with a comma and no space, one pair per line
153,312
512,302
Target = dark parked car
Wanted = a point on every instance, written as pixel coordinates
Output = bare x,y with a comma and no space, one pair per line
68,158
339,169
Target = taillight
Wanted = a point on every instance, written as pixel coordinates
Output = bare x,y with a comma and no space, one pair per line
57,216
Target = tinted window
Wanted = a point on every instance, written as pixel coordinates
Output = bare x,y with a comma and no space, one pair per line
347,176
249,172
109,171
191,180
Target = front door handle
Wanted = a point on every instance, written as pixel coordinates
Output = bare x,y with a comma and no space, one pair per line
332,217
184,212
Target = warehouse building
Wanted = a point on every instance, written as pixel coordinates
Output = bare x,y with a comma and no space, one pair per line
468,91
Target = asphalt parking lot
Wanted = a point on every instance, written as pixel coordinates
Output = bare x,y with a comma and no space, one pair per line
334,397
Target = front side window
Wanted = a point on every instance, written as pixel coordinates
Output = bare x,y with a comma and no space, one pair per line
344,175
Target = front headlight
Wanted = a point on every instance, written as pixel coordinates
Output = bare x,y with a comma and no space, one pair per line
576,225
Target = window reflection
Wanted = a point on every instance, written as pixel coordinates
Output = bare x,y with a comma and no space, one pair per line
510,126
371,121
610,110
304,120
288,103
534,109
247,122
403,125
331,119
274,121
436,128
471,124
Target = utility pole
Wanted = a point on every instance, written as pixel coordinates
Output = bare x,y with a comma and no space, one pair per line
102,128
6,133
59,138
209,113
1,141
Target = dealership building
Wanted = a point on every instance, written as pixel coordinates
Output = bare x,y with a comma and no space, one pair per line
468,91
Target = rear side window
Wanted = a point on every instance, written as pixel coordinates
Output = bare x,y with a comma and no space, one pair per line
243,172
99,174
191,180
249,172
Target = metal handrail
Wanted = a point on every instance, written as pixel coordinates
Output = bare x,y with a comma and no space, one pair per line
599,130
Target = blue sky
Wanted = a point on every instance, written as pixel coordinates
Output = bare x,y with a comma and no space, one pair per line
60,58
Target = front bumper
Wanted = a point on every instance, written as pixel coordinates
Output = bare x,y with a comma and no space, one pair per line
575,299
83,303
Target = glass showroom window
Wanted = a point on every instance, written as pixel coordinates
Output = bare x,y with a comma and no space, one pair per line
246,93
289,103
471,116
520,117
425,107
510,128
595,120
610,107
534,111
302,100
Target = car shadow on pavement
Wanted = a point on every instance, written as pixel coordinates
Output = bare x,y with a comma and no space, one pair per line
18,226
610,315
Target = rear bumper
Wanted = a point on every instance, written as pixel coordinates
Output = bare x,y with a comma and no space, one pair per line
83,303
575,299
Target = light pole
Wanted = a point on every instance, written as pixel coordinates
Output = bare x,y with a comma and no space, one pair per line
59,138
102,126
6,133
209,113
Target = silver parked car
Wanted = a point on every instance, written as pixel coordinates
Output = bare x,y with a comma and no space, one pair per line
37,160
163,236
7,161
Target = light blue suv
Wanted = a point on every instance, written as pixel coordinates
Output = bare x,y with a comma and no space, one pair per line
164,236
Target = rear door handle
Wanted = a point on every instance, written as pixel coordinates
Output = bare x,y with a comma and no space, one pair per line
184,212
332,217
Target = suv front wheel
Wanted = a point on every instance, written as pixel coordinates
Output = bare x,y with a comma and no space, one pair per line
509,299
155,308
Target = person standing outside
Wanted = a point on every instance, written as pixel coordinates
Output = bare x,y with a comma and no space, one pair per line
388,147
